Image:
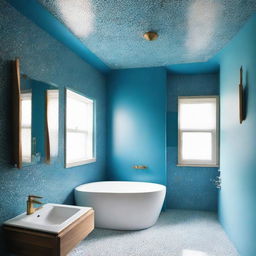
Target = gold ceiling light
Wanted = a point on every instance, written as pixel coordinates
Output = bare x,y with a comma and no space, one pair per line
150,35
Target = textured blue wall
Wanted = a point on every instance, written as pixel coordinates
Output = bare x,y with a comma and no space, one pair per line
137,124
40,16
237,204
198,68
188,187
44,59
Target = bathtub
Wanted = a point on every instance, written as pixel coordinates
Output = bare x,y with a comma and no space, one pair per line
122,205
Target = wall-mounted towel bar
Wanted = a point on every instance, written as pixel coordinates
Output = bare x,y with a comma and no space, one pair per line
140,167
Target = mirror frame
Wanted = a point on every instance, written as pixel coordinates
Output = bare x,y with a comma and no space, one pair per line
17,117
16,108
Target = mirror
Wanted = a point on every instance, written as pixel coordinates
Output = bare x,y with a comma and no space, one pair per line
38,117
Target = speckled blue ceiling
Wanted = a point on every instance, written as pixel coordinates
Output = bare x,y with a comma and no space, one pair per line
189,30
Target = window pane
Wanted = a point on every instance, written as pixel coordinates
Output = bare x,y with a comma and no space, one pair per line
53,120
26,109
196,146
26,144
89,123
76,114
78,148
196,115
26,119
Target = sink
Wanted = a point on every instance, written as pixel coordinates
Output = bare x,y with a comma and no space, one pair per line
51,218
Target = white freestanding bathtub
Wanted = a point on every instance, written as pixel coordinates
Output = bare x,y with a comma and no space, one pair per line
122,205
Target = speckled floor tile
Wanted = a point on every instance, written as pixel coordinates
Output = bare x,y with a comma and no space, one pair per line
177,233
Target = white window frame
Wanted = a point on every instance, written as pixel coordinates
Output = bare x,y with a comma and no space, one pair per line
215,136
87,100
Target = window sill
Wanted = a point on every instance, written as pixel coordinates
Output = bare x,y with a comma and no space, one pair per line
68,165
198,165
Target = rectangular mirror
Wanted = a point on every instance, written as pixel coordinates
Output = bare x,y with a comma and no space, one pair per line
37,111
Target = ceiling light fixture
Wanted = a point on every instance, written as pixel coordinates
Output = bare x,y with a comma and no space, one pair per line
150,35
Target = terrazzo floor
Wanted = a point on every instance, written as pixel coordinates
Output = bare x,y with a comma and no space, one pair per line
176,233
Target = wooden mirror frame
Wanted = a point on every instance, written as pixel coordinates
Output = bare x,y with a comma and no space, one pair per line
16,105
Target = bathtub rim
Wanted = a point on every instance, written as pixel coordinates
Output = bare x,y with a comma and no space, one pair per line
163,188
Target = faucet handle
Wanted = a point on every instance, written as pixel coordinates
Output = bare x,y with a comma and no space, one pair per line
30,197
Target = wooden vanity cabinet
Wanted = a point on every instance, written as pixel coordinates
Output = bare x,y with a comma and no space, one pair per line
25,242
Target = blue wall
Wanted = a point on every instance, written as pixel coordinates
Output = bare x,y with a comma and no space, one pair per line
237,204
45,59
137,124
41,17
188,187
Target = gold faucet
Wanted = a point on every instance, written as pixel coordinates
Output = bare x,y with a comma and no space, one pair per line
30,207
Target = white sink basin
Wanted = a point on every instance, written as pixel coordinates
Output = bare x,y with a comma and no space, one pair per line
51,218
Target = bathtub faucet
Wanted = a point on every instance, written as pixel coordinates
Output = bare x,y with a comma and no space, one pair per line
140,167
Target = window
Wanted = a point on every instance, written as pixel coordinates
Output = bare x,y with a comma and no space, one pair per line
198,131
26,126
79,129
